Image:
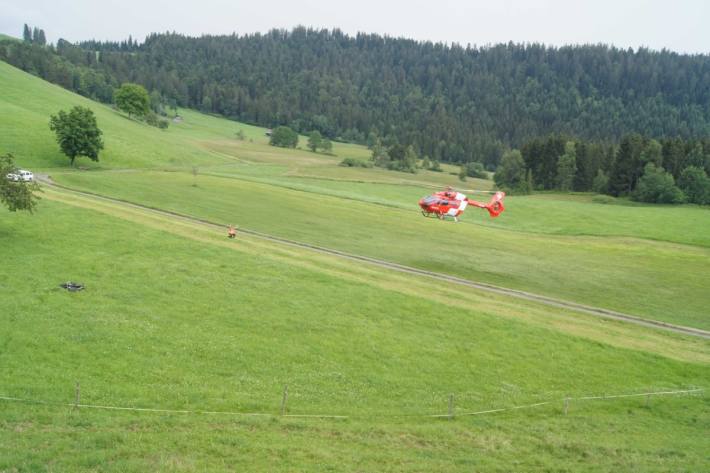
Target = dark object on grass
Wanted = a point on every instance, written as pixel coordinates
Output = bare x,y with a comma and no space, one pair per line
72,286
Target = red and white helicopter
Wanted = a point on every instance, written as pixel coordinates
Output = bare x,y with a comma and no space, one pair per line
450,203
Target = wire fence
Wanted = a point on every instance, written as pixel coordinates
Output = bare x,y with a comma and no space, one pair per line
564,402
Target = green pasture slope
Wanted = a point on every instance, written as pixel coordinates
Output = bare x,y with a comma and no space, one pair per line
199,323
637,276
177,317
650,261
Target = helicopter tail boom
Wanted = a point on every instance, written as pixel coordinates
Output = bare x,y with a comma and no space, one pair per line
495,206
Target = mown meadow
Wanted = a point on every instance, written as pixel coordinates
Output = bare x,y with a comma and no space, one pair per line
199,167
183,323
175,316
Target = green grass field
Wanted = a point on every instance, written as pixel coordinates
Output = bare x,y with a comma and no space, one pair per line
175,316
297,194
223,327
609,272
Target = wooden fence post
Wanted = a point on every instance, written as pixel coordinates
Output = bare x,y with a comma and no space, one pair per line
451,406
283,400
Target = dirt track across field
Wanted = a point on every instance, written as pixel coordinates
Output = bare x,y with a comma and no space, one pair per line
596,311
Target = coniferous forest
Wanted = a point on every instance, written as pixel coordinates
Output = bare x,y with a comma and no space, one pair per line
450,103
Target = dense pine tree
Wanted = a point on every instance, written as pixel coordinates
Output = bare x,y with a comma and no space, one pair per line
627,166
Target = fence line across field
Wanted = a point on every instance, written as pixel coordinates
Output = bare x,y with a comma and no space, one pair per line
451,414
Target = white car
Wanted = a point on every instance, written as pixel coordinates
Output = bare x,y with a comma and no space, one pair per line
21,175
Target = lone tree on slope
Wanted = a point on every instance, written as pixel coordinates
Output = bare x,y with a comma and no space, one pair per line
77,133
315,140
284,137
326,145
132,99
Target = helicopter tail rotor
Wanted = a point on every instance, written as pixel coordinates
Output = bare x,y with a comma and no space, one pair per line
495,206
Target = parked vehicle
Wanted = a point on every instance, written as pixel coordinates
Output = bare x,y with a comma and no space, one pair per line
21,175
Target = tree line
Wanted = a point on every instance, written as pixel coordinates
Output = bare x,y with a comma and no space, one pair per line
449,102
669,170
33,35
46,62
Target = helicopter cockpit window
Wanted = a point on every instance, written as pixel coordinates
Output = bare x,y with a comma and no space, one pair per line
430,200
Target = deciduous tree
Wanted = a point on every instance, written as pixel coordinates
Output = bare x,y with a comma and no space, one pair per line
284,137
379,157
315,140
77,133
657,186
326,145
511,175
132,99
694,182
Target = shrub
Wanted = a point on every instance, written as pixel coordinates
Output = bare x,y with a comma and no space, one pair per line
395,158
355,163
657,186
436,166
475,169
604,199
151,118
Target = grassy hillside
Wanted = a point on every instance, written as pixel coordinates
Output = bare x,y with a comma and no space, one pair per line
198,140
175,316
182,318
608,272
547,244
28,102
